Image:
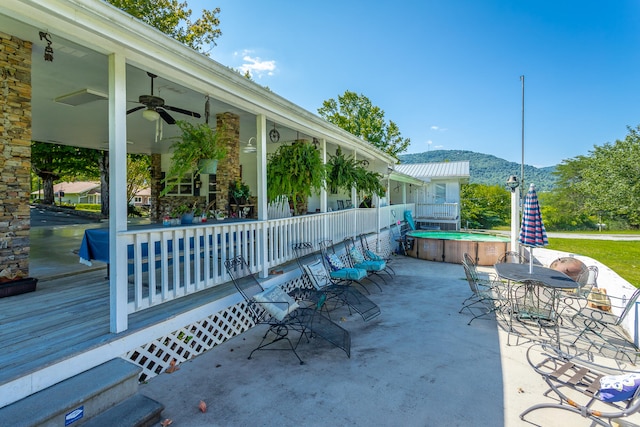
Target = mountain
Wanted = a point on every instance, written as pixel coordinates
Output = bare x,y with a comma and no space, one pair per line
487,169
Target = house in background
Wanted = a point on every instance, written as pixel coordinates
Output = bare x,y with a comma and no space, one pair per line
73,193
438,202
141,198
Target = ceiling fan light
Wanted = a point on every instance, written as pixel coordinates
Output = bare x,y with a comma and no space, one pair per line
151,115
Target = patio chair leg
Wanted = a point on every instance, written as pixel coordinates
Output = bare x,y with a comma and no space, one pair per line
281,334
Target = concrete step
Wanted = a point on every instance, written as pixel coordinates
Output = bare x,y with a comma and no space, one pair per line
136,411
77,399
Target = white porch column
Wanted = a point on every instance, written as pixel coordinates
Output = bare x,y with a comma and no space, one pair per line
261,167
323,190
117,193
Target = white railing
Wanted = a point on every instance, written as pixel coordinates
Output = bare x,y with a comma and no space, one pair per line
172,262
438,211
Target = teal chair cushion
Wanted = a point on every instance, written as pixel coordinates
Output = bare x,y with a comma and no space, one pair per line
349,274
371,265
373,256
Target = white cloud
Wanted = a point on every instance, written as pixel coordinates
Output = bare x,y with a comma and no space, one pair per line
438,128
255,65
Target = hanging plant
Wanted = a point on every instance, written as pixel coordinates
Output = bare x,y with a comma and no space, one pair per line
197,142
295,171
345,173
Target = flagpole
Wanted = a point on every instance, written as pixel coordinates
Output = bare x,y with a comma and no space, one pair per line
522,163
522,185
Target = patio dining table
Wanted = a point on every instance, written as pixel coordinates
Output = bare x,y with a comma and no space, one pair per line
541,291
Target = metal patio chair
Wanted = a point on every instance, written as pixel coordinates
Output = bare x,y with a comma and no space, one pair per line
512,257
357,260
282,314
338,270
339,293
372,255
485,297
582,388
600,323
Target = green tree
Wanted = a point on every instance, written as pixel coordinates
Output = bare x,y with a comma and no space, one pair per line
565,207
174,19
484,206
358,116
52,162
138,173
607,181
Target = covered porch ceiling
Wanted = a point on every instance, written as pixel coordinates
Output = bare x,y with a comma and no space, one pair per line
84,34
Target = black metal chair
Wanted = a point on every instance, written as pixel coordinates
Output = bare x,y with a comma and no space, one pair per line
340,293
357,260
282,314
372,255
340,272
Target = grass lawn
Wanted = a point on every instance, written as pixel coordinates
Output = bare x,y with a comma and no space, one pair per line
623,257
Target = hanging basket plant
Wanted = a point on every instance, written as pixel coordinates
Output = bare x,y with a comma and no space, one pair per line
345,173
295,171
194,150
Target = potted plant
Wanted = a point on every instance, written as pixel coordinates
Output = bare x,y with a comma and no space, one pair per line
197,150
184,212
239,192
295,171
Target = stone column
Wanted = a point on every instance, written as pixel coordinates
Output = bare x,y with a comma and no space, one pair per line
15,153
228,124
156,186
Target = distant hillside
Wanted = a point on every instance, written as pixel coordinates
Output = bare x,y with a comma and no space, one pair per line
487,169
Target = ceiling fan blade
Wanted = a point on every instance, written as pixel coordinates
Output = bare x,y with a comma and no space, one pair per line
135,109
183,111
166,116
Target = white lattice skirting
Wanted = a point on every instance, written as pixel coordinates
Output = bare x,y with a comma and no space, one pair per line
196,338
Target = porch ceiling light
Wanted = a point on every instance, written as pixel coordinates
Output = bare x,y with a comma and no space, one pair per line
250,148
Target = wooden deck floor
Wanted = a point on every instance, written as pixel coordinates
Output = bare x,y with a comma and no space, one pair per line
67,316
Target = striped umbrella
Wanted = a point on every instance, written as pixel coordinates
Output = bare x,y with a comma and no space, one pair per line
532,232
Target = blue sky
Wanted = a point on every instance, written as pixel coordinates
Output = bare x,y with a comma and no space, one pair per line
448,71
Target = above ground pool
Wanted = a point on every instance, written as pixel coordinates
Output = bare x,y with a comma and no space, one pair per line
449,246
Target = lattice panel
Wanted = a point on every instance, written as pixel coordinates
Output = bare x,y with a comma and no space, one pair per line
192,340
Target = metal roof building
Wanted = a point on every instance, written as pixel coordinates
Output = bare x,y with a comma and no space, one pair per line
429,171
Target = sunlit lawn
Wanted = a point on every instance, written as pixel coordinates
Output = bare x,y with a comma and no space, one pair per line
623,257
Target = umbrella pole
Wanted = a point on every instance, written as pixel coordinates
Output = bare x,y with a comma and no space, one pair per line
531,260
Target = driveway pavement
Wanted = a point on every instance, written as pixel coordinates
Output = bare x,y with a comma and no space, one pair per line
55,238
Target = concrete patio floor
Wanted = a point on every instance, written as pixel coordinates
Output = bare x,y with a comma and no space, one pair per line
417,364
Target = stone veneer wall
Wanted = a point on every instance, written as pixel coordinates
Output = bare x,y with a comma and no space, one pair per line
155,215
15,153
229,167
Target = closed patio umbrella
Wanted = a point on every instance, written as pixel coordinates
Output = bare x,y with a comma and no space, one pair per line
532,232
